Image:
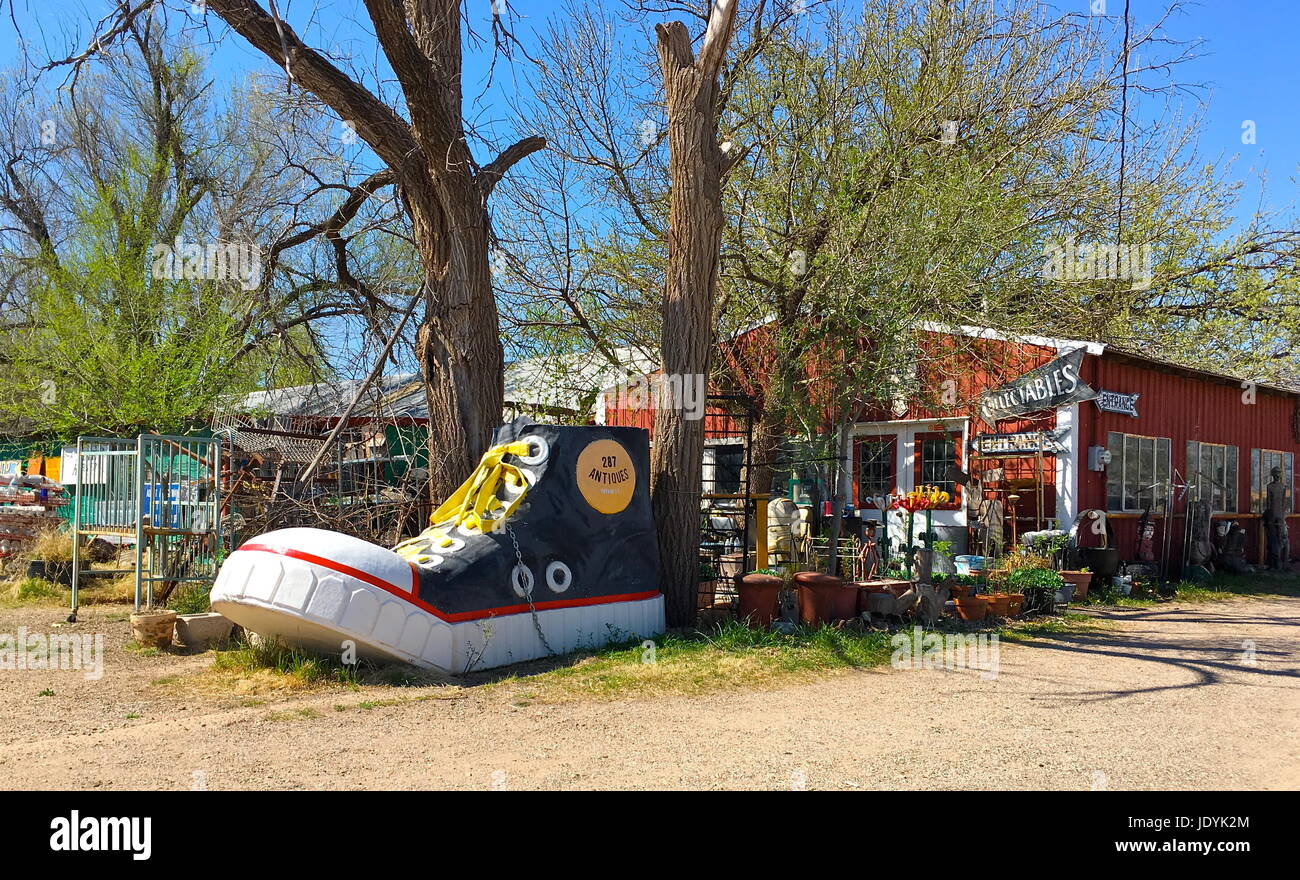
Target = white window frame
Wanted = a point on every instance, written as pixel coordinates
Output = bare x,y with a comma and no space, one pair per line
1119,467
1232,472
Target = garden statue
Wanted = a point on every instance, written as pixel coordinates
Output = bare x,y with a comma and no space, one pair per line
1198,525
1275,532
1232,557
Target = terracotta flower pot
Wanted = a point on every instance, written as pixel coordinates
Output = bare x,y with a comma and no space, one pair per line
1017,603
959,591
999,604
759,594
1079,580
971,607
867,589
817,595
846,602
706,594
153,629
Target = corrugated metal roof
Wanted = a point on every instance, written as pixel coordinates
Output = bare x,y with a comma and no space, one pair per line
567,382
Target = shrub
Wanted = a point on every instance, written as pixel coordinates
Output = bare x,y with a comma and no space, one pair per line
52,545
1039,586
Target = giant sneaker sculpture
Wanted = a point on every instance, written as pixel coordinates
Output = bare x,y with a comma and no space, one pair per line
547,548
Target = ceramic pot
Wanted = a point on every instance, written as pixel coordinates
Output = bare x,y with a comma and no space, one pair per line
759,595
817,595
999,604
153,629
1079,580
971,608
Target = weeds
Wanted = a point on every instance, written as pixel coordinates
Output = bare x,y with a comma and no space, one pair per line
190,599
301,666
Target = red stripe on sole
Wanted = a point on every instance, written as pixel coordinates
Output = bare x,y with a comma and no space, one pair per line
448,617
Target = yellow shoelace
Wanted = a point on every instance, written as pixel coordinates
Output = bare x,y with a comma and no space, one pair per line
474,506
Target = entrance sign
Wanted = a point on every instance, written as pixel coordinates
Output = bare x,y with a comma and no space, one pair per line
1053,384
1023,443
1117,402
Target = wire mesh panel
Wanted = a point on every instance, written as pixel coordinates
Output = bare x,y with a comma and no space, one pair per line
105,500
179,536
160,494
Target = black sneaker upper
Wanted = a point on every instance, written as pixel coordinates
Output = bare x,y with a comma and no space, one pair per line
572,549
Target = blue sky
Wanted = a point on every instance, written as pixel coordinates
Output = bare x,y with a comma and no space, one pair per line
1249,63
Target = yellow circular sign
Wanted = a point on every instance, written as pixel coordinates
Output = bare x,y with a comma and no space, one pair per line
606,476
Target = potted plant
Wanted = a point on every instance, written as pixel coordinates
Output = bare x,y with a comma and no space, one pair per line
964,585
943,559
52,557
999,603
1079,580
1042,588
971,608
759,595
152,627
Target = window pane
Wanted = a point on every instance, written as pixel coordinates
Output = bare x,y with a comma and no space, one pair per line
1230,506
1146,472
937,455
1115,472
1288,480
1160,492
876,469
1131,471
1193,470
1256,499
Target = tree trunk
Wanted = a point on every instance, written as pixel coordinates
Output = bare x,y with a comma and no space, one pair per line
769,431
445,192
460,355
694,237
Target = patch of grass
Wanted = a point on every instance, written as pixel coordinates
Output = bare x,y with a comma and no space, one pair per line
190,599
293,714
131,716
726,656
1034,627
1227,586
46,693
31,590
142,650
107,591
296,666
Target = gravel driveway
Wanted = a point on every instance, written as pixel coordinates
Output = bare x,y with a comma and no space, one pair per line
1161,698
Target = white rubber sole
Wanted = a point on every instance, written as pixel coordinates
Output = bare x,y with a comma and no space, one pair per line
312,606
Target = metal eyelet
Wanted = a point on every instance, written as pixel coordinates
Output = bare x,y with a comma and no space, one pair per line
522,581
558,577
456,544
541,447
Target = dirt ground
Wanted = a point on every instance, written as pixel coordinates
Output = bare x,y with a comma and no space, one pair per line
1161,698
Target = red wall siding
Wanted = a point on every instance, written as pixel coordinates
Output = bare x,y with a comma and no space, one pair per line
1183,407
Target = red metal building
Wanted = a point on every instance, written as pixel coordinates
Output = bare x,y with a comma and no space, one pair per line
1153,438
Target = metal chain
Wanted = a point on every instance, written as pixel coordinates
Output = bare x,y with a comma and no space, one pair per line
526,575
